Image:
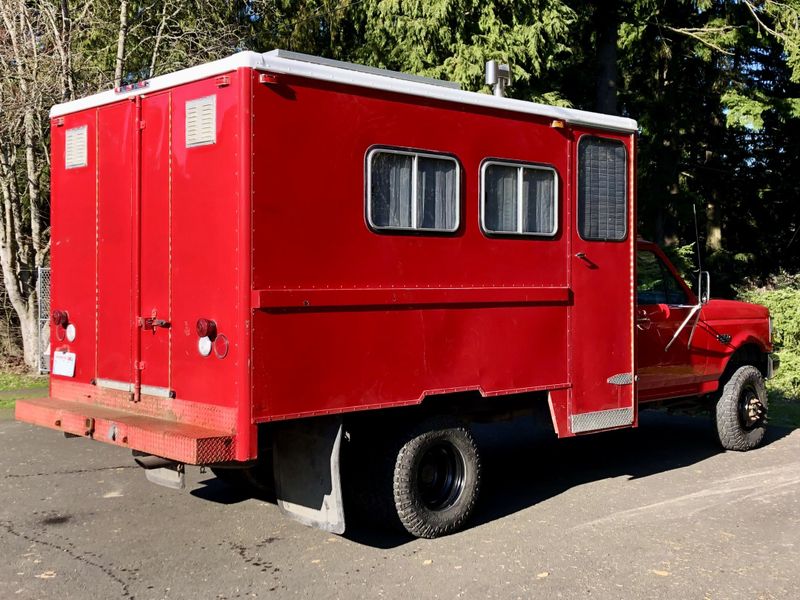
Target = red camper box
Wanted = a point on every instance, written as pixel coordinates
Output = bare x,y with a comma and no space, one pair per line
248,253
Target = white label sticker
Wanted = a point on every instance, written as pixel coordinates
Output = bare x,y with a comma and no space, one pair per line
64,363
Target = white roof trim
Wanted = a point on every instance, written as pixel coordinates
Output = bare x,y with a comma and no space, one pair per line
272,62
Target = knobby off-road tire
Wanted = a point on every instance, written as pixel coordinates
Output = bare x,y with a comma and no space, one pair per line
437,475
741,422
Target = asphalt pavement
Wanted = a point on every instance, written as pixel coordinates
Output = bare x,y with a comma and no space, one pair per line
658,512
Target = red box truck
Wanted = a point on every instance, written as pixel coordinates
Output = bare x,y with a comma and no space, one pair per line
261,260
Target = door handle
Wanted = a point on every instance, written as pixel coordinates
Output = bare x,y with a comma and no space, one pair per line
151,323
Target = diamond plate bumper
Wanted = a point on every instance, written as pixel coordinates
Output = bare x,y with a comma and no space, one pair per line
181,442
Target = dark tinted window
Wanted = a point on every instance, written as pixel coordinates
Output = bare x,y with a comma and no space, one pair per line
602,192
655,282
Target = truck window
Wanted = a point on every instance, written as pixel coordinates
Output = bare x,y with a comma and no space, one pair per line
518,199
655,282
602,189
412,190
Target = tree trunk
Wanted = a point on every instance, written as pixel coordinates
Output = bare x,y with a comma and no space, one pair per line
121,36
606,23
713,226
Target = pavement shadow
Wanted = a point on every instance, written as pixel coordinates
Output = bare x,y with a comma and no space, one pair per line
524,463
661,443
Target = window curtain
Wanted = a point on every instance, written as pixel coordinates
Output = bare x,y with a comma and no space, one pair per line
436,193
538,194
391,190
500,200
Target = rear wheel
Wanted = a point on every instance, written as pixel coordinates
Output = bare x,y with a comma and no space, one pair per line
741,412
436,481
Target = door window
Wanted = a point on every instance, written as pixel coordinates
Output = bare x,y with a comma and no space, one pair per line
656,284
602,189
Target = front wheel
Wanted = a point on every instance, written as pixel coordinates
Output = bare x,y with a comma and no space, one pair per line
436,482
741,411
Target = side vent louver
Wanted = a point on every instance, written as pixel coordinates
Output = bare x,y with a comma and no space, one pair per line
75,154
201,121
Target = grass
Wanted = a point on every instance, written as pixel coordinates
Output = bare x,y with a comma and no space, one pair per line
13,385
20,381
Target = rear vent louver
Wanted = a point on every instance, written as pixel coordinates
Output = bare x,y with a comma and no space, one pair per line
75,153
201,121
602,189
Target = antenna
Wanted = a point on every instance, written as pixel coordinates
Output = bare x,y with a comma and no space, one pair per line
697,238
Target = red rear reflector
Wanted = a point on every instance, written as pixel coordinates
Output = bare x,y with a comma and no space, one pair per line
206,328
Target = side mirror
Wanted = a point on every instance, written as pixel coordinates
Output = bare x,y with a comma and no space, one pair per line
704,287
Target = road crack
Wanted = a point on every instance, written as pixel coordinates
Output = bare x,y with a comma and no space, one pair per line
126,594
69,472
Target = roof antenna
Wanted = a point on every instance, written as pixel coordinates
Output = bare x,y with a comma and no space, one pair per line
498,77
697,238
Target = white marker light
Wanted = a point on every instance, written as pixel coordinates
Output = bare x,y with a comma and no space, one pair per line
204,346
71,332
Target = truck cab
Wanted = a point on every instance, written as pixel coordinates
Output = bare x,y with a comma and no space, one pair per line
690,347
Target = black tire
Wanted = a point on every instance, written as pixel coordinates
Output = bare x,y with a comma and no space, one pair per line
742,410
436,482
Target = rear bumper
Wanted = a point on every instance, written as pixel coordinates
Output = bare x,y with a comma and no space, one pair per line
181,442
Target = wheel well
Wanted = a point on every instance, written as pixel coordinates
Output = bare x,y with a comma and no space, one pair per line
466,406
747,354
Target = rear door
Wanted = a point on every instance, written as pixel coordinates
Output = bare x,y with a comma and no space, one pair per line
155,320
116,318
601,321
133,219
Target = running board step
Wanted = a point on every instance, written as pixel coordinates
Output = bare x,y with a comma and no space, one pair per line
180,442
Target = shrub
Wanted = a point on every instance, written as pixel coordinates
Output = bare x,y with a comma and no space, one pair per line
782,297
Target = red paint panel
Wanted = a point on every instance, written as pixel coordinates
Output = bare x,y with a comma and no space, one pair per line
206,247
156,217
339,360
373,319
72,206
115,311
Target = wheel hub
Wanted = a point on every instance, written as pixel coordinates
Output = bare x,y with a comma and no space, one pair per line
752,412
441,476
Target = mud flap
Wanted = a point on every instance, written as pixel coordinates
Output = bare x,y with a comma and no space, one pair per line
307,479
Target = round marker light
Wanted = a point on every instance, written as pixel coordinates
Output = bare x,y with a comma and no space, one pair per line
71,332
204,346
60,317
206,328
221,346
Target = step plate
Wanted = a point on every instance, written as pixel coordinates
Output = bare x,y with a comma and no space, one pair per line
180,442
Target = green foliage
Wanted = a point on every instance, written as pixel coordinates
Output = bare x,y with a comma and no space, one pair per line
452,39
683,257
782,297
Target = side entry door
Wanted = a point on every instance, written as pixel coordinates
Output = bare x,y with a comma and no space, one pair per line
601,319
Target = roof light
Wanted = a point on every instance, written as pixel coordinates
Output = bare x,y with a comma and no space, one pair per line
130,87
